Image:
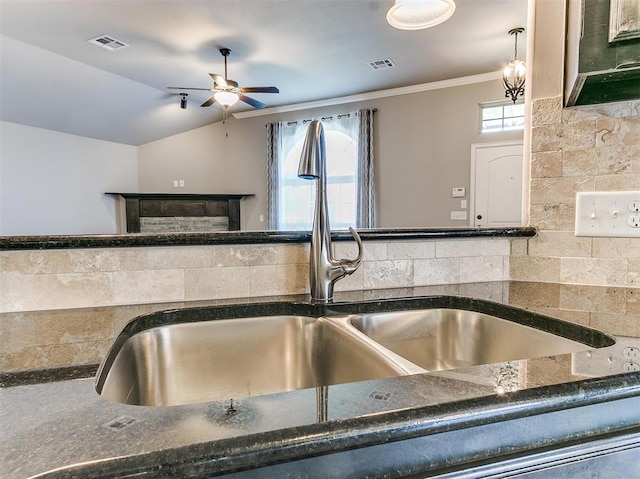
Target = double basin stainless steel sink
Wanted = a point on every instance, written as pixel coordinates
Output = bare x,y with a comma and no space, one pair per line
222,359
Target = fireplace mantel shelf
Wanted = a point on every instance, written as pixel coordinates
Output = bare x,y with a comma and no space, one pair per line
183,196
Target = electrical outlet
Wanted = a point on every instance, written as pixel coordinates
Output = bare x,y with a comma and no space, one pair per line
608,214
624,356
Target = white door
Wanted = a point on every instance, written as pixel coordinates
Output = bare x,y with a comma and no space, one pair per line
496,182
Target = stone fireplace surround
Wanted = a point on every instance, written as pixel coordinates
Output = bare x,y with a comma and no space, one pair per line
168,212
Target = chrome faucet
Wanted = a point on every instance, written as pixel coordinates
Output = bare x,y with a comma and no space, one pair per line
324,271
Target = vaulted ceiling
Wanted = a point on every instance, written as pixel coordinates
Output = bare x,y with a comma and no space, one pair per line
51,77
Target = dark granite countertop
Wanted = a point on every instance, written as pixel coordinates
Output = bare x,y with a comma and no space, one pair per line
64,429
246,237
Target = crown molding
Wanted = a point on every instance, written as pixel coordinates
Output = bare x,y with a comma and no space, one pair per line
373,95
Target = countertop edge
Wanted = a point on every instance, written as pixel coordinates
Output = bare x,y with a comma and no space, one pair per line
33,242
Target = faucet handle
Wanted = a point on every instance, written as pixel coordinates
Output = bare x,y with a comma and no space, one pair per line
350,265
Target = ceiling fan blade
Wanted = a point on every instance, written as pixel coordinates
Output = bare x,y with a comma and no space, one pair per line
260,89
188,88
220,81
250,101
209,102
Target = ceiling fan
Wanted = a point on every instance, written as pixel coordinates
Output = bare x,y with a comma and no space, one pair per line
227,91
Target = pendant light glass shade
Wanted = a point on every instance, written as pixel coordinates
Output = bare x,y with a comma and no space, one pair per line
419,14
513,77
225,98
514,74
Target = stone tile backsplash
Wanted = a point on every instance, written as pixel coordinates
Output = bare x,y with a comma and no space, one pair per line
48,280
595,148
611,309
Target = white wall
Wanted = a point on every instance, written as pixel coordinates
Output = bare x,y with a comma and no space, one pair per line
422,149
194,157
54,183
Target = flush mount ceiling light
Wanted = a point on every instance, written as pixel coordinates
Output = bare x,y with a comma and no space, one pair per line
513,75
419,14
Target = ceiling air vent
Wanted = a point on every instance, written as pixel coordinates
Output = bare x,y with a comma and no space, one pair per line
108,42
382,64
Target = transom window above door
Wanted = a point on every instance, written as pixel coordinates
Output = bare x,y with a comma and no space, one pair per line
501,116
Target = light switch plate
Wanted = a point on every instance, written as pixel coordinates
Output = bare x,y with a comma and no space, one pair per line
608,213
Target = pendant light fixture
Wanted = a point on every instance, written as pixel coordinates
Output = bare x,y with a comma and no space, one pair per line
419,14
513,75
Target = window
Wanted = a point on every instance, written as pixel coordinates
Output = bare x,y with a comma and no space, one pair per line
297,196
501,116
349,155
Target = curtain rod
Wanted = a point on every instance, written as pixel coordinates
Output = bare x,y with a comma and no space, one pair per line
324,118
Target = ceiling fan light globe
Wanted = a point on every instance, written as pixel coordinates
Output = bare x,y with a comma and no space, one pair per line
419,14
226,98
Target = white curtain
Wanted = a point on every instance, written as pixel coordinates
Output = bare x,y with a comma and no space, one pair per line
280,137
